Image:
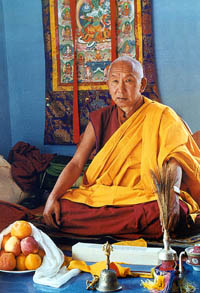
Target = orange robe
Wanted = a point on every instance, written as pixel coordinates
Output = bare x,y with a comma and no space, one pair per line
120,173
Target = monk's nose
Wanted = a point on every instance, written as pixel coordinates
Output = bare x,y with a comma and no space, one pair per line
121,87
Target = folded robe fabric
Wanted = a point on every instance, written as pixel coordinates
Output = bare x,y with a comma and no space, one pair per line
95,269
11,212
119,173
26,165
120,222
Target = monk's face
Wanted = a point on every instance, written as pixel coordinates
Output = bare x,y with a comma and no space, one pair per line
125,86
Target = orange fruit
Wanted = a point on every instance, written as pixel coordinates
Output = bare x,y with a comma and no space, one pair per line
7,261
21,229
33,261
20,259
5,238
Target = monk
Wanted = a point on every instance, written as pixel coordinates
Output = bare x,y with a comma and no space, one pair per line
131,137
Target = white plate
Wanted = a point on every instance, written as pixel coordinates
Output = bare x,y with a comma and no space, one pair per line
18,272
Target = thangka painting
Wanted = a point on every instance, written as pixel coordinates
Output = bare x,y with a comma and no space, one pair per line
82,38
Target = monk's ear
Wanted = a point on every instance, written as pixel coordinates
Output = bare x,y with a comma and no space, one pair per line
143,84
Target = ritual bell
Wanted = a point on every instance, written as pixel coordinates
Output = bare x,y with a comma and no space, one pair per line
108,281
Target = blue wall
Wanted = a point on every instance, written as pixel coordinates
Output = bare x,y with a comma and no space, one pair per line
177,42
5,130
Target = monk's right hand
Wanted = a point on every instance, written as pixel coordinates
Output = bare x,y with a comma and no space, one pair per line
51,213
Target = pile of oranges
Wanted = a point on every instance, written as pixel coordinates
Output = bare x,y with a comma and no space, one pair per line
19,250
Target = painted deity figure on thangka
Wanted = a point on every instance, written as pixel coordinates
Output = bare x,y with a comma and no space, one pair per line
93,21
93,18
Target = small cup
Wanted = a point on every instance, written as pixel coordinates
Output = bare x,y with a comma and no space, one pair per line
193,253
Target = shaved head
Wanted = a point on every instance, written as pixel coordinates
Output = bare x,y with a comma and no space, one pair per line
136,65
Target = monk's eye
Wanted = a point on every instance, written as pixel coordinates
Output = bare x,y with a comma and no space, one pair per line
129,80
114,81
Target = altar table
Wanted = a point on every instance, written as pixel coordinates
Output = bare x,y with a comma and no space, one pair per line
23,282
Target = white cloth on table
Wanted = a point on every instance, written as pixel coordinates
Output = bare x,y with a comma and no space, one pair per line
51,272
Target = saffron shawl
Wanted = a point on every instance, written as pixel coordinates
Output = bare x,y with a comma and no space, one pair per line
120,173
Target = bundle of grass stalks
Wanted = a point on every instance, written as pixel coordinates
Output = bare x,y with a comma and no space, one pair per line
164,180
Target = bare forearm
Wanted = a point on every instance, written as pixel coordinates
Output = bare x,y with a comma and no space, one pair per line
174,211
68,176
174,165
66,179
